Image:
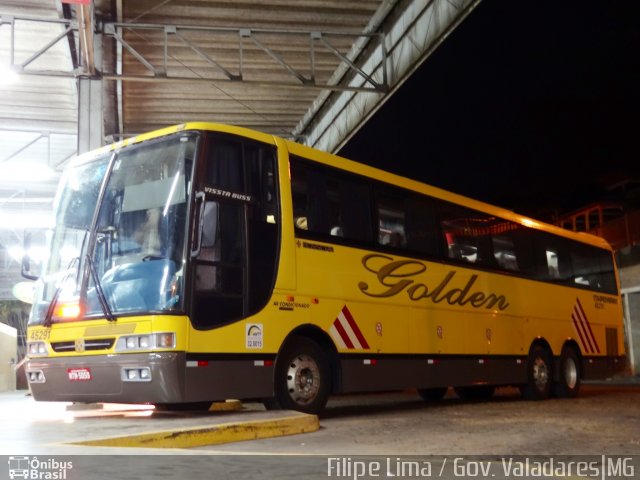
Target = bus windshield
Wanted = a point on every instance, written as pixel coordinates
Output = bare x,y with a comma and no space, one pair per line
133,261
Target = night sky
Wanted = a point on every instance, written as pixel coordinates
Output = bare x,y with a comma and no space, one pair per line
532,106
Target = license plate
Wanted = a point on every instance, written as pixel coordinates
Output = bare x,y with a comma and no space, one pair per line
79,374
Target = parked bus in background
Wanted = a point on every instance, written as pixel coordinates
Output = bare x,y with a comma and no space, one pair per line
204,262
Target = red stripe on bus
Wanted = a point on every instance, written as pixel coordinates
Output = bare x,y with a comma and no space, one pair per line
354,327
578,329
343,334
583,328
593,337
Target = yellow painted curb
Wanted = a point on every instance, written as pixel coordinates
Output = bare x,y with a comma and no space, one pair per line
226,406
213,435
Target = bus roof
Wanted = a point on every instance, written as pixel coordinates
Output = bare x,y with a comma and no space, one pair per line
355,167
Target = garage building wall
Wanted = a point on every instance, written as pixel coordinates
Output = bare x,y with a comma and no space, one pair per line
8,355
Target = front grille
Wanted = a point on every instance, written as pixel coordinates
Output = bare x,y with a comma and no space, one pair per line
89,345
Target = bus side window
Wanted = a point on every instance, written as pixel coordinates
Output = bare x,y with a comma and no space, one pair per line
512,248
461,234
309,198
552,256
421,230
504,252
329,204
593,268
391,220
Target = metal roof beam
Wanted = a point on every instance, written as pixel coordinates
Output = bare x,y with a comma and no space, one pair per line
413,29
233,43
47,51
116,30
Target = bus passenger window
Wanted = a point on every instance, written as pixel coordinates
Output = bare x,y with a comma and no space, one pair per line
553,266
592,268
551,257
504,252
391,221
461,243
420,226
329,204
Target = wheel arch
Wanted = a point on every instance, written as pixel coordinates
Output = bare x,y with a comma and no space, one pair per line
542,342
319,336
572,344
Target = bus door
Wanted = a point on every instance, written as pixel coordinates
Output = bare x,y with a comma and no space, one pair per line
235,246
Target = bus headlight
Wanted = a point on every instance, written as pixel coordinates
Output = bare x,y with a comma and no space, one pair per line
37,349
154,341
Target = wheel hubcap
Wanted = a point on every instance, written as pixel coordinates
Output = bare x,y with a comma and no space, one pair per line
540,373
570,373
303,379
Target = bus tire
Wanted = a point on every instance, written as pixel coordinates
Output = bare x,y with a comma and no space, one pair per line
539,374
302,376
432,394
475,392
568,384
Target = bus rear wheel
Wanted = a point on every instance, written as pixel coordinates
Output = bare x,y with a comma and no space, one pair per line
302,376
539,374
568,384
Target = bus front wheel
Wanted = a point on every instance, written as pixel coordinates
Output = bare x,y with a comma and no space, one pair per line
539,374
302,376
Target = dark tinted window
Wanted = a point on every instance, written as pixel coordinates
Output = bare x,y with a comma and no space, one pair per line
552,257
592,268
512,247
573,263
336,204
406,220
330,204
466,234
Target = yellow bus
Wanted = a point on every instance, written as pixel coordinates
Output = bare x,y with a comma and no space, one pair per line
203,262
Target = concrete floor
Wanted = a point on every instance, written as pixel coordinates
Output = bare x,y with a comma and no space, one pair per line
605,420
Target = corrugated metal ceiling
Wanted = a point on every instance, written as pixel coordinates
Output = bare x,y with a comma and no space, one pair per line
209,45
38,114
148,105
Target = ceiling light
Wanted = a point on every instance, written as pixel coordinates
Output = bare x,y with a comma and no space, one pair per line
26,172
8,75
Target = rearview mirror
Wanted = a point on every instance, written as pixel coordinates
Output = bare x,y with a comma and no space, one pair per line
26,261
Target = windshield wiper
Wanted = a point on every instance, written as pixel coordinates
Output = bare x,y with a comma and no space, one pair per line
102,299
48,318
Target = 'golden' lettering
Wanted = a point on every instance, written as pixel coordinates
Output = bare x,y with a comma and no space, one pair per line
397,276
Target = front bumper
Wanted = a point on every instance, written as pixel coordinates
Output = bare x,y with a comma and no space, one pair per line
103,378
